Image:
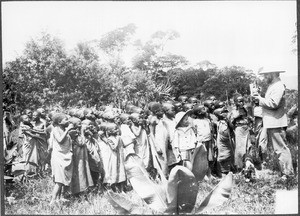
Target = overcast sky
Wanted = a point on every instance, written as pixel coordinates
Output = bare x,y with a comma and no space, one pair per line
251,34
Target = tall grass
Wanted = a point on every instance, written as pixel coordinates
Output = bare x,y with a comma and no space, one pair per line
33,197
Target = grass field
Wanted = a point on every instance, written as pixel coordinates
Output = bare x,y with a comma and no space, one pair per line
256,197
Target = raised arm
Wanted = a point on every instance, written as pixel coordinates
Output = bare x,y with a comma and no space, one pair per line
61,137
136,130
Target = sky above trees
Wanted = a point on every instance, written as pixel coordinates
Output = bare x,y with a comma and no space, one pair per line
251,34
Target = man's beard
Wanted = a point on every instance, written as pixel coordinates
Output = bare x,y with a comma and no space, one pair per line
269,80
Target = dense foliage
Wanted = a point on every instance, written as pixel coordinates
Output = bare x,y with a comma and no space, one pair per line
94,73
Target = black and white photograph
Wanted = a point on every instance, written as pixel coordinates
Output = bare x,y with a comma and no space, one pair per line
149,107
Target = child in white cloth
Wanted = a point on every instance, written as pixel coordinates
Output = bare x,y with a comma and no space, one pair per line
115,175
61,160
185,140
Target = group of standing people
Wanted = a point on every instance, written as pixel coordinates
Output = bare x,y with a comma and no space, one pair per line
87,147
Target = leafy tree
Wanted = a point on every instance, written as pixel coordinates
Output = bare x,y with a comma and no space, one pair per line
151,57
11,92
113,44
231,80
116,40
45,74
190,81
36,71
84,79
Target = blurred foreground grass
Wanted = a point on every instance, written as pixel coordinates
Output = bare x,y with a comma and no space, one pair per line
33,197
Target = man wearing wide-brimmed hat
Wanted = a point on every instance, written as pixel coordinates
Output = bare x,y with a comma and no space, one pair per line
275,118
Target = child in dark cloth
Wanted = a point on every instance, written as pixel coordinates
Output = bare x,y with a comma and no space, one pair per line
225,143
29,148
93,148
81,178
203,128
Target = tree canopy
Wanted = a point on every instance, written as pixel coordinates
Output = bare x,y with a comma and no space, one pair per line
94,73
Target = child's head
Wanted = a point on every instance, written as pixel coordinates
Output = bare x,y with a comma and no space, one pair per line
112,129
36,116
146,114
187,106
109,116
24,119
60,119
124,118
210,105
182,99
89,114
77,126
212,98
200,111
239,101
88,127
177,106
157,109
42,111
256,101
138,110
221,113
220,104
169,110
28,112
193,100
50,115
135,118
79,114
76,122
72,112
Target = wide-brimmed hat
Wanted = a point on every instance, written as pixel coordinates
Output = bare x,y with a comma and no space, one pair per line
179,116
271,69
266,72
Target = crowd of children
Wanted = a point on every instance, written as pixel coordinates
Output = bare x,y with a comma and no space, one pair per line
87,147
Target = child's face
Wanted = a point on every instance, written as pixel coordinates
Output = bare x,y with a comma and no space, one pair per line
178,107
26,119
29,113
90,115
201,113
185,121
296,120
114,131
240,103
35,116
159,113
64,122
135,120
78,126
126,121
170,112
224,115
